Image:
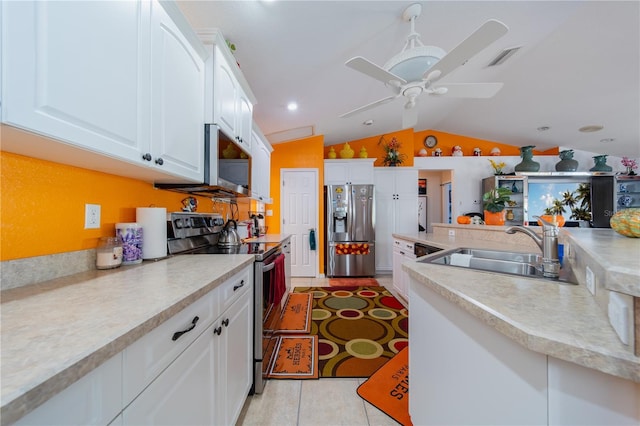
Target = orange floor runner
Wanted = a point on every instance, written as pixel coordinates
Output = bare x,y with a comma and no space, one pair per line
295,358
296,314
388,388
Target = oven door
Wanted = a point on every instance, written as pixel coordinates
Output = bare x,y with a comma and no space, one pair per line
266,319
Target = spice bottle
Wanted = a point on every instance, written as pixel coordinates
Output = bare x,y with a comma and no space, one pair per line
108,253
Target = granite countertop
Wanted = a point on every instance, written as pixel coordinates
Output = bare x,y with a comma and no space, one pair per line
55,332
555,319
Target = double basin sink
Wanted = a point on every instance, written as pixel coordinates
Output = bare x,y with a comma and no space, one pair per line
522,264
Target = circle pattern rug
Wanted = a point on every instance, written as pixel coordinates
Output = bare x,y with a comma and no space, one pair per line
359,328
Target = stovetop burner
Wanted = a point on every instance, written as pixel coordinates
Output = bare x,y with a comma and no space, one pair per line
259,249
197,233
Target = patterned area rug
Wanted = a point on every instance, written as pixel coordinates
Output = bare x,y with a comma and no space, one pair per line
359,328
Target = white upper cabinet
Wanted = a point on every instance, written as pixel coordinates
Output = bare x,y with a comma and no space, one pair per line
260,167
178,74
232,100
112,84
354,171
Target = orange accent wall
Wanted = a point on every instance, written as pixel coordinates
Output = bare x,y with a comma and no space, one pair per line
412,143
42,205
375,150
446,142
301,153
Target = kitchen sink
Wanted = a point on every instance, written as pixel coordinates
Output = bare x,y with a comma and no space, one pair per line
502,262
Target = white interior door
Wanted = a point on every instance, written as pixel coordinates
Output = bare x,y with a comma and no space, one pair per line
299,189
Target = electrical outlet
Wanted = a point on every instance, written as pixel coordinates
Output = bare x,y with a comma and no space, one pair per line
91,216
452,232
269,212
591,281
618,314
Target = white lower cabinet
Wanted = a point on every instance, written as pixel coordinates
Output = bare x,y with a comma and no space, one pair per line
234,360
463,371
184,393
95,399
208,382
402,251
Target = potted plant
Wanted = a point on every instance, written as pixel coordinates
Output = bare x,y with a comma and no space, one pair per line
392,155
494,205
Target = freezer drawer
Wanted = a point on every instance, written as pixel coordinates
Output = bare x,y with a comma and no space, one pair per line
351,259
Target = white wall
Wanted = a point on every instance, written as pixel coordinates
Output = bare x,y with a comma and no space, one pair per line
468,172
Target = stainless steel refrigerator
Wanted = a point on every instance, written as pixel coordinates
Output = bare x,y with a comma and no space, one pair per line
350,233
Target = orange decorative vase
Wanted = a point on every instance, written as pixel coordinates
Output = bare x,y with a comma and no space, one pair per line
498,218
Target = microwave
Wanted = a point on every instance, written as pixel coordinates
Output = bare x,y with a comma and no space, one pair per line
227,168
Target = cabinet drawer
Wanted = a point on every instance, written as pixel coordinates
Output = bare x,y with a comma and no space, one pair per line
146,358
403,245
233,288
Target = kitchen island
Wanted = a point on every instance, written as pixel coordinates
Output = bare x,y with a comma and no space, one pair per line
512,349
56,332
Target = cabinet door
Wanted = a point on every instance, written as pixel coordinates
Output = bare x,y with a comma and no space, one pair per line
398,279
335,173
235,359
385,218
78,72
260,169
361,172
224,94
177,144
244,119
95,399
184,394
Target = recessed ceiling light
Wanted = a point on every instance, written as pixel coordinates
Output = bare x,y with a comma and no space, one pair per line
543,128
367,122
292,106
591,128
607,140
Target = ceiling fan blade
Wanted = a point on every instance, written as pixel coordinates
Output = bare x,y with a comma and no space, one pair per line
374,71
410,117
468,90
488,32
369,106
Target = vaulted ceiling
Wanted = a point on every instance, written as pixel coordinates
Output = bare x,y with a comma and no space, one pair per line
579,65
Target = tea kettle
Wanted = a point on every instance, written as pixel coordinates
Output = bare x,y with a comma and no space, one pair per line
229,236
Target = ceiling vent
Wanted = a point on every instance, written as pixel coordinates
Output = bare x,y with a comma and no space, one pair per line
503,56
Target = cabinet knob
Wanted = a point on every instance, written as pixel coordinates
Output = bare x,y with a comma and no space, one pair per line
146,157
225,322
217,330
159,161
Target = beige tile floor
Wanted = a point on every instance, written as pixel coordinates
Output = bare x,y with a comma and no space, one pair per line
325,402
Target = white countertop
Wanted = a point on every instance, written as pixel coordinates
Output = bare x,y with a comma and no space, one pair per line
552,318
55,332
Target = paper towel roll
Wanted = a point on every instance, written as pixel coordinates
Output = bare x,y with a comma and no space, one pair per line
154,231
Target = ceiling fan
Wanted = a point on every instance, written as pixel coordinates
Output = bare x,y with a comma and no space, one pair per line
417,68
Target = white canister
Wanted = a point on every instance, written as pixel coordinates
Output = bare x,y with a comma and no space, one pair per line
130,235
154,227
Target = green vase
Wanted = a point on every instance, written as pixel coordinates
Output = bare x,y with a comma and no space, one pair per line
600,164
527,164
567,163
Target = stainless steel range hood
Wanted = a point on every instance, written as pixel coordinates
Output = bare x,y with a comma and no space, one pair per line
223,177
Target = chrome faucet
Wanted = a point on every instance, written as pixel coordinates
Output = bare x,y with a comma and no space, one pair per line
548,244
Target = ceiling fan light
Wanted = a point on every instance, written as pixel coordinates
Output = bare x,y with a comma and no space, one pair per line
411,64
